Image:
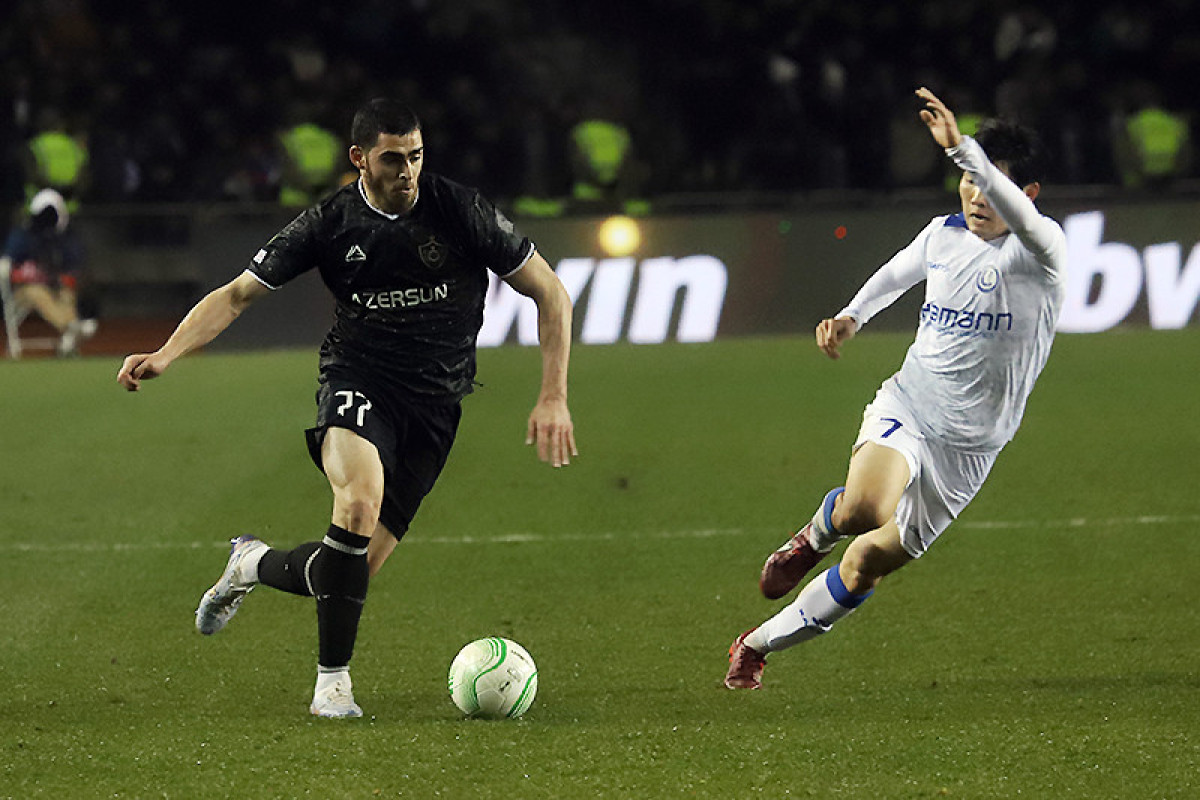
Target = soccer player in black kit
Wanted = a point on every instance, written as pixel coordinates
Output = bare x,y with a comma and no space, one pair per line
406,255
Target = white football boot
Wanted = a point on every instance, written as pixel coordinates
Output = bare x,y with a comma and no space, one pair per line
220,603
334,697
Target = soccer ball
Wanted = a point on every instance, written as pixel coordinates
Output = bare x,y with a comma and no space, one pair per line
493,678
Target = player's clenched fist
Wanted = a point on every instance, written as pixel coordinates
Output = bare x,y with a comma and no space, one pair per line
136,368
831,333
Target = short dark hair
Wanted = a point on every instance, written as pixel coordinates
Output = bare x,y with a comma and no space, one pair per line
381,115
1019,147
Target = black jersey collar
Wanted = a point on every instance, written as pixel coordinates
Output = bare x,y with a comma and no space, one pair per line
363,194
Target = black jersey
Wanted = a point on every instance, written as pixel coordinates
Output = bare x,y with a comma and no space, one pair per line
409,288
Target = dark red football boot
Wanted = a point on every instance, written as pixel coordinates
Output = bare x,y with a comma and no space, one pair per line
787,566
745,665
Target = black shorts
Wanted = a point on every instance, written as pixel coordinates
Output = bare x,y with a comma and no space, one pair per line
413,441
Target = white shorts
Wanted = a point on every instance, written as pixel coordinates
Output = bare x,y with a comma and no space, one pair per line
942,480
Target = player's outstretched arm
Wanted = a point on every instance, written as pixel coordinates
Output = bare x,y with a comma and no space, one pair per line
831,333
550,427
939,119
213,314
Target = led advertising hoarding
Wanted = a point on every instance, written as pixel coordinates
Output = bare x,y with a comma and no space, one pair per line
692,279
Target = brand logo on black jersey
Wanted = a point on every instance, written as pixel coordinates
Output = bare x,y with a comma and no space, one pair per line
433,253
355,253
401,298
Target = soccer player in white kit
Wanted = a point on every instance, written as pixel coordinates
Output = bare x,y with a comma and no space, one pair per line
994,277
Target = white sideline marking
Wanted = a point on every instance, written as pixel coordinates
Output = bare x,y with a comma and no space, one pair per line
515,538
1081,522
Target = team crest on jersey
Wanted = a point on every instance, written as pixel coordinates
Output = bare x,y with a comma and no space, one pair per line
433,253
987,280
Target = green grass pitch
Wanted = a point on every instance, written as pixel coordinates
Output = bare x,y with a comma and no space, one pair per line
1048,646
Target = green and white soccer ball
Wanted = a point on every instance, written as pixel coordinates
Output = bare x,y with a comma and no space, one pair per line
493,678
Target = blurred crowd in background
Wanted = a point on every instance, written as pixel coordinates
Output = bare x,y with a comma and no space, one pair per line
623,101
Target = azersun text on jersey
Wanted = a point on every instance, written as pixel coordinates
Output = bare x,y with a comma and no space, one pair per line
409,288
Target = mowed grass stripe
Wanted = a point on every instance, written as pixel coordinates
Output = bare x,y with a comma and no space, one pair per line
609,536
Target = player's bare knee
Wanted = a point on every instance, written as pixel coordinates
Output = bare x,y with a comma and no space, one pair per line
855,576
855,516
865,563
357,511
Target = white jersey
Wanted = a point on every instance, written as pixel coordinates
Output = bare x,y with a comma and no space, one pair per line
989,316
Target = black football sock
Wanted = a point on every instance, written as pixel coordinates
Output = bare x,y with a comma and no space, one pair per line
339,581
289,570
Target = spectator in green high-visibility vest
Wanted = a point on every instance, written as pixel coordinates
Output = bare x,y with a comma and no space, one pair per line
605,173
56,159
312,159
600,147
1153,146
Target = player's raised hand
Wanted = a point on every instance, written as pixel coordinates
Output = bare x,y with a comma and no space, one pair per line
831,333
551,430
139,367
939,119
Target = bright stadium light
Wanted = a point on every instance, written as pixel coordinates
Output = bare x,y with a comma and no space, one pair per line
619,236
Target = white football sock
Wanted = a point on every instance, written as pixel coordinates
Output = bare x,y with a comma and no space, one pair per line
250,564
824,536
326,677
821,603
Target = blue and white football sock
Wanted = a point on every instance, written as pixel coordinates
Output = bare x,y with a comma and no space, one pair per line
824,536
821,603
